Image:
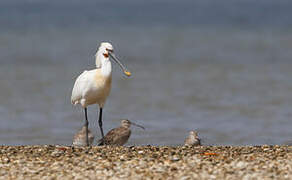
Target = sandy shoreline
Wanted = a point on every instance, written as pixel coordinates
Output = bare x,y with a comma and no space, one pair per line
145,162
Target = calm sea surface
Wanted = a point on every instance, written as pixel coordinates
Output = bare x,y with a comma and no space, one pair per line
221,68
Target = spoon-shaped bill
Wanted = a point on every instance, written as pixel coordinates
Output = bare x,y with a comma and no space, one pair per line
126,72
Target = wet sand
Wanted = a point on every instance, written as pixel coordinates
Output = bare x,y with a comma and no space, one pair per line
146,162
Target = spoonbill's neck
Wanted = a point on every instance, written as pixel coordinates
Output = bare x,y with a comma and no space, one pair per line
103,63
106,68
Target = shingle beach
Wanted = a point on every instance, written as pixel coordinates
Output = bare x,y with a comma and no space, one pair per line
145,162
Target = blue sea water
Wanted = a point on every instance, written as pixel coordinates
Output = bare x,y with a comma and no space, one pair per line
222,68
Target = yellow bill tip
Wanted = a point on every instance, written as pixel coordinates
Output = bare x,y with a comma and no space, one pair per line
127,73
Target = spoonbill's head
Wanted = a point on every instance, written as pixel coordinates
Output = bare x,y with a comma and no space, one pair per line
105,48
126,124
106,51
194,134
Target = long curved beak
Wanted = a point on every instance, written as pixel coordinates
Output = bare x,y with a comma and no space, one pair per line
126,72
138,125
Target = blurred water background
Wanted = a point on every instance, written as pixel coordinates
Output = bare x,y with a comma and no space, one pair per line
222,68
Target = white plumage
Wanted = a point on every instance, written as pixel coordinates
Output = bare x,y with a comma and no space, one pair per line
93,86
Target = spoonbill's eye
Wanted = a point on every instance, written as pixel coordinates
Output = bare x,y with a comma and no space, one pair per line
110,50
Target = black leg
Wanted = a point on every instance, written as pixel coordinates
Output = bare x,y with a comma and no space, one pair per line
86,126
100,122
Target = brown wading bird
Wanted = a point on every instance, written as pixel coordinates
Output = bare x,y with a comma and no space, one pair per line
120,135
80,137
193,139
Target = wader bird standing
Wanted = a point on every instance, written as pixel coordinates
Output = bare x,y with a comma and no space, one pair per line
193,139
93,86
120,135
80,138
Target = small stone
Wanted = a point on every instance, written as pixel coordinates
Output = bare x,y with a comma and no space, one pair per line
58,162
175,158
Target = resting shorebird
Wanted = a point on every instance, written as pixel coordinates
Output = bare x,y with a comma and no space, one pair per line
120,135
193,139
80,137
93,86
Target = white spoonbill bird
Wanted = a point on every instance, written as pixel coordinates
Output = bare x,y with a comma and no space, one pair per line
93,86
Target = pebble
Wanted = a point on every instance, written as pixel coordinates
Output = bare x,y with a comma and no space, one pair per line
146,162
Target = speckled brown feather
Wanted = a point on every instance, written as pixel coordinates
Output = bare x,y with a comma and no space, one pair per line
80,137
194,142
193,139
118,136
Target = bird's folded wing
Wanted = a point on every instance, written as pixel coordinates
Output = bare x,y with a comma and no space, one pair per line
110,137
